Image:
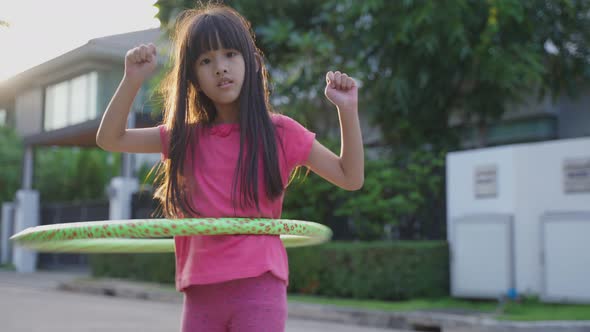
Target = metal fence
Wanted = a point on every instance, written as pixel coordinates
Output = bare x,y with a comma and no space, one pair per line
53,213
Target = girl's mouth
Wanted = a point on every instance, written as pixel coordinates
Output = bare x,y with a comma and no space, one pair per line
225,84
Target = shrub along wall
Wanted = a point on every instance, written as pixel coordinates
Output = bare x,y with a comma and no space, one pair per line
371,270
145,267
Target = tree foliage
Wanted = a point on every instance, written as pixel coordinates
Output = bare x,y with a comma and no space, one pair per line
419,62
11,152
61,174
403,198
67,174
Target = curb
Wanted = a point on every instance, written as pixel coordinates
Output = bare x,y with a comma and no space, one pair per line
428,320
120,288
413,321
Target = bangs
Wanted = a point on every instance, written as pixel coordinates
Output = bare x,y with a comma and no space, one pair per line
214,32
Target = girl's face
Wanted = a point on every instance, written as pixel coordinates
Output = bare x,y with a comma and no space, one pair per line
220,75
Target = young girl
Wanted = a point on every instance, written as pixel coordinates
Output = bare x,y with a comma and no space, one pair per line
226,154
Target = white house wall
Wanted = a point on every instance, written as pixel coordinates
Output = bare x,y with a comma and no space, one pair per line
530,182
461,198
539,169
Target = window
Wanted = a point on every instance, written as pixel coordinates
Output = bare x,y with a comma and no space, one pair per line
71,102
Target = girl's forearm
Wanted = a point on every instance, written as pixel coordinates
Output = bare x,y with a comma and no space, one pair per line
351,152
114,119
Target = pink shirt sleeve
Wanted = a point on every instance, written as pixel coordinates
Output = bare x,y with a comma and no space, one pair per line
165,141
296,140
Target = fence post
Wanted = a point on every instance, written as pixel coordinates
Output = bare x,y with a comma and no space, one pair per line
26,215
6,231
120,192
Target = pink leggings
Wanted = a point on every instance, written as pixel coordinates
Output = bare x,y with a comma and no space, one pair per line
251,304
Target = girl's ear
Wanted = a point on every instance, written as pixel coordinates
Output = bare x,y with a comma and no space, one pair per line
258,61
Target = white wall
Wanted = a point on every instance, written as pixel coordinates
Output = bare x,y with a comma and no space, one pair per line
530,182
460,182
539,169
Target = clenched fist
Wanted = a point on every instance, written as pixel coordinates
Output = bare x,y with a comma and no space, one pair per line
140,62
341,89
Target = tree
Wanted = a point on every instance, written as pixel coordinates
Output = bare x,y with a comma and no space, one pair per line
72,174
61,174
420,61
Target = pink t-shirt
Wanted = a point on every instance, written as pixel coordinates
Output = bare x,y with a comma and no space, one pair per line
212,259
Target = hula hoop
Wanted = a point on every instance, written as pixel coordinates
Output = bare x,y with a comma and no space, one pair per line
142,235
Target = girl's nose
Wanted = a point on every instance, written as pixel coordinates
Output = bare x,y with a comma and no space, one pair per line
221,71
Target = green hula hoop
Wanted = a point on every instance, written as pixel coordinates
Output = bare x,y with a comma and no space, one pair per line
144,235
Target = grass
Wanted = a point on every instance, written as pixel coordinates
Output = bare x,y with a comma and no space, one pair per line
7,267
533,310
530,309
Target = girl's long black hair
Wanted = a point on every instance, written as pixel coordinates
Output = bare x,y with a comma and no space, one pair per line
198,31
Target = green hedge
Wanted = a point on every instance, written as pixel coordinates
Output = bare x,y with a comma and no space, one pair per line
369,270
144,267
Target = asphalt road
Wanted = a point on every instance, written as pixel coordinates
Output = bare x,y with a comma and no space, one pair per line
26,308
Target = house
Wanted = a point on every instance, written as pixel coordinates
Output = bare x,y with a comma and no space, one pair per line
60,103
534,120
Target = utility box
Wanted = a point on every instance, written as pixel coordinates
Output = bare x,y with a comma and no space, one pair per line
488,239
516,220
565,258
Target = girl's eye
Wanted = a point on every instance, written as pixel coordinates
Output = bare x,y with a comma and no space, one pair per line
205,61
231,54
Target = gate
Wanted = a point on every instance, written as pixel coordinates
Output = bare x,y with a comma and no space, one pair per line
66,212
142,207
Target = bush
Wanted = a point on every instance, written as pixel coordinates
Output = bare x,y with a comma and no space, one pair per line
404,194
143,267
309,197
11,152
73,174
377,270
403,197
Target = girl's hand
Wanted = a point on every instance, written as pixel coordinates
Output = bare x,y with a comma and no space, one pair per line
341,90
140,62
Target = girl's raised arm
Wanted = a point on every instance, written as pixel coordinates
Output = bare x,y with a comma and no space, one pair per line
113,135
348,170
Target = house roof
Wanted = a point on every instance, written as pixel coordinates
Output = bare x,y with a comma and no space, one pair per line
81,135
109,48
125,41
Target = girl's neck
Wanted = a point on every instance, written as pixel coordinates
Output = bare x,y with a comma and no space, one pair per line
226,114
